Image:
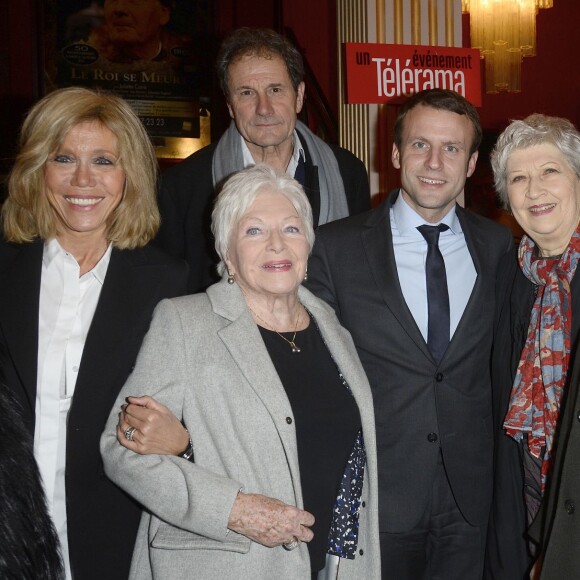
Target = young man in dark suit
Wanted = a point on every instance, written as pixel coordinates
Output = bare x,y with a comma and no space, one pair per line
421,316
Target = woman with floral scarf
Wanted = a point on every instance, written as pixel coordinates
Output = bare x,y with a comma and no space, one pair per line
536,165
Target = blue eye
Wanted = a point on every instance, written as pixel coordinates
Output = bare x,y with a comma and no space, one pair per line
103,161
62,159
451,149
253,231
293,229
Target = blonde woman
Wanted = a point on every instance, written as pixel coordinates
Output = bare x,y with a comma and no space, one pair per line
78,285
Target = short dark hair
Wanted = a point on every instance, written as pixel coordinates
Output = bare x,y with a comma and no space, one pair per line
445,100
262,42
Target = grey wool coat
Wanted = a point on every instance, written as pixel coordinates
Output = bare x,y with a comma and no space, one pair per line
205,360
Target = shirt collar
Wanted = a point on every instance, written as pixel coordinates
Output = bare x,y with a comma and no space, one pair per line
297,152
407,219
100,270
53,250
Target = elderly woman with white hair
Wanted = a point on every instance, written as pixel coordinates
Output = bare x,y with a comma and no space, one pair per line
269,385
536,165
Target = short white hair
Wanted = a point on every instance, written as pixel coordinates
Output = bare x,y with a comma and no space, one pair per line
533,130
239,193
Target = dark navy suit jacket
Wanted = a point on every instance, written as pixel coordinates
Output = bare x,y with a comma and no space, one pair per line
353,268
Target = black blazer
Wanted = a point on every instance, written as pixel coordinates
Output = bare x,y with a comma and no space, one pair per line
102,520
559,528
507,555
420,407
186,198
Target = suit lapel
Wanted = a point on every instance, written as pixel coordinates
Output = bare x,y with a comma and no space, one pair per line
377,241
19,302
477,248
245,345
475,243
120,308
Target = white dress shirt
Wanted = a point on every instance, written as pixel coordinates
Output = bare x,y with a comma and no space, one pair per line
410,249
67,304
297,152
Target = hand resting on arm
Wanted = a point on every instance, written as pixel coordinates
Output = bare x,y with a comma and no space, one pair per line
265,520
159,431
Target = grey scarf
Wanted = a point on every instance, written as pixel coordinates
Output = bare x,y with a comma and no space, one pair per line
228,159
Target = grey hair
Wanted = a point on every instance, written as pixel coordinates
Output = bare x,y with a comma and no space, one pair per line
239,193
533,130
260,42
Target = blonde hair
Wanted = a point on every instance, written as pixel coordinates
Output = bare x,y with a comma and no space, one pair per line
27,214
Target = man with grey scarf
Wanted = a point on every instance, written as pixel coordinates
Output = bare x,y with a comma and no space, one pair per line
261,75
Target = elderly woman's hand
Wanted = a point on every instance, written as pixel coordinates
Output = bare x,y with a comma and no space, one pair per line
269,521
157,429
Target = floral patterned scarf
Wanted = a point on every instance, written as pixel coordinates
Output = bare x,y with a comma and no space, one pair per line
541,376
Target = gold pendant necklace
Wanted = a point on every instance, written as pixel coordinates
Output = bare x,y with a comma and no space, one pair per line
293,345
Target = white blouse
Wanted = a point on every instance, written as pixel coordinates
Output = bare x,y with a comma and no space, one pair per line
67,304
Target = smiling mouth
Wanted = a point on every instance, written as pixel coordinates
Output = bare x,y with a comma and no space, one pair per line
280,266
431,181
84,201
542,208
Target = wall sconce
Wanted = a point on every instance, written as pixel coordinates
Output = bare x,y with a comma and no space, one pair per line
504,31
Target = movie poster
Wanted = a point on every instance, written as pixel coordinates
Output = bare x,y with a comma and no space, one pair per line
146,51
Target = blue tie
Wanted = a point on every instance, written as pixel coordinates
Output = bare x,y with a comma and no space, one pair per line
437,294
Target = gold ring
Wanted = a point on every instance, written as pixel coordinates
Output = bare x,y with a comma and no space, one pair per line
291,545
130,433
